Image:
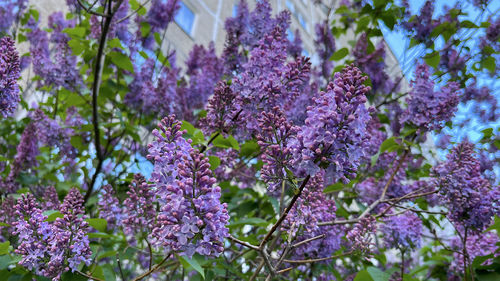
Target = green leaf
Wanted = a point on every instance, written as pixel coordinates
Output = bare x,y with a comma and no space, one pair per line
214,162
363,276
468,24
432,59
488,276
389,144
377,274
4,248
340,54
75,31
250,221
249,148
76,46
52,215
98,235
4,224
489,63
107,254
145,29
122,61
334,187
188,127
229,142
379,3
98,224
187,262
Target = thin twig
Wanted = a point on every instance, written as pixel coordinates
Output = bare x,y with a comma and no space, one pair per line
88,276
88,10
285,213
156,267
246,244
319,259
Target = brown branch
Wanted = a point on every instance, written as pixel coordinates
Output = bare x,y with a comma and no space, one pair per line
156,267
318,260
308,240
285,213
88,276
248,245
95,93
88,10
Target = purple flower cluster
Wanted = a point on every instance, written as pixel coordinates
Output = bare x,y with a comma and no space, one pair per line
119,23
273,139
402,231
52,248
222,112
373,64
360,236
204,70
471,200
139,210
109,207
477,245
246,29
302,221
11,12
420,26
192,218
59,69
325,47
335,133
268,80
9,73
427,108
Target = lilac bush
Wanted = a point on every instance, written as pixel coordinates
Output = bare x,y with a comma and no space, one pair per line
248,160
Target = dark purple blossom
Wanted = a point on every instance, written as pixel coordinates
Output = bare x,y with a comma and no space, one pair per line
9,73
325,47
10,13
109,207
471,200
275,133
481,244
361,234
335,132
428,108
402,231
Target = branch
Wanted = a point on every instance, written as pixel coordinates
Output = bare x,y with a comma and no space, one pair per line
88,10
88,276
248,245
156,267
285,213
319,259
95,93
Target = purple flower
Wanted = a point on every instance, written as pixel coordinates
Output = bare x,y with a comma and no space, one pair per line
335,133
421,25
477,245
427,108
50,249
191,218
302,221
204,70
360,236
109,207
275,133
325,47
471,200
139,209
11,12
221,110
373,64
402,231
9,73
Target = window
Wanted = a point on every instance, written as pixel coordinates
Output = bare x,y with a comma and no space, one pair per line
185,18
302,21
289,35
290,6
235,10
